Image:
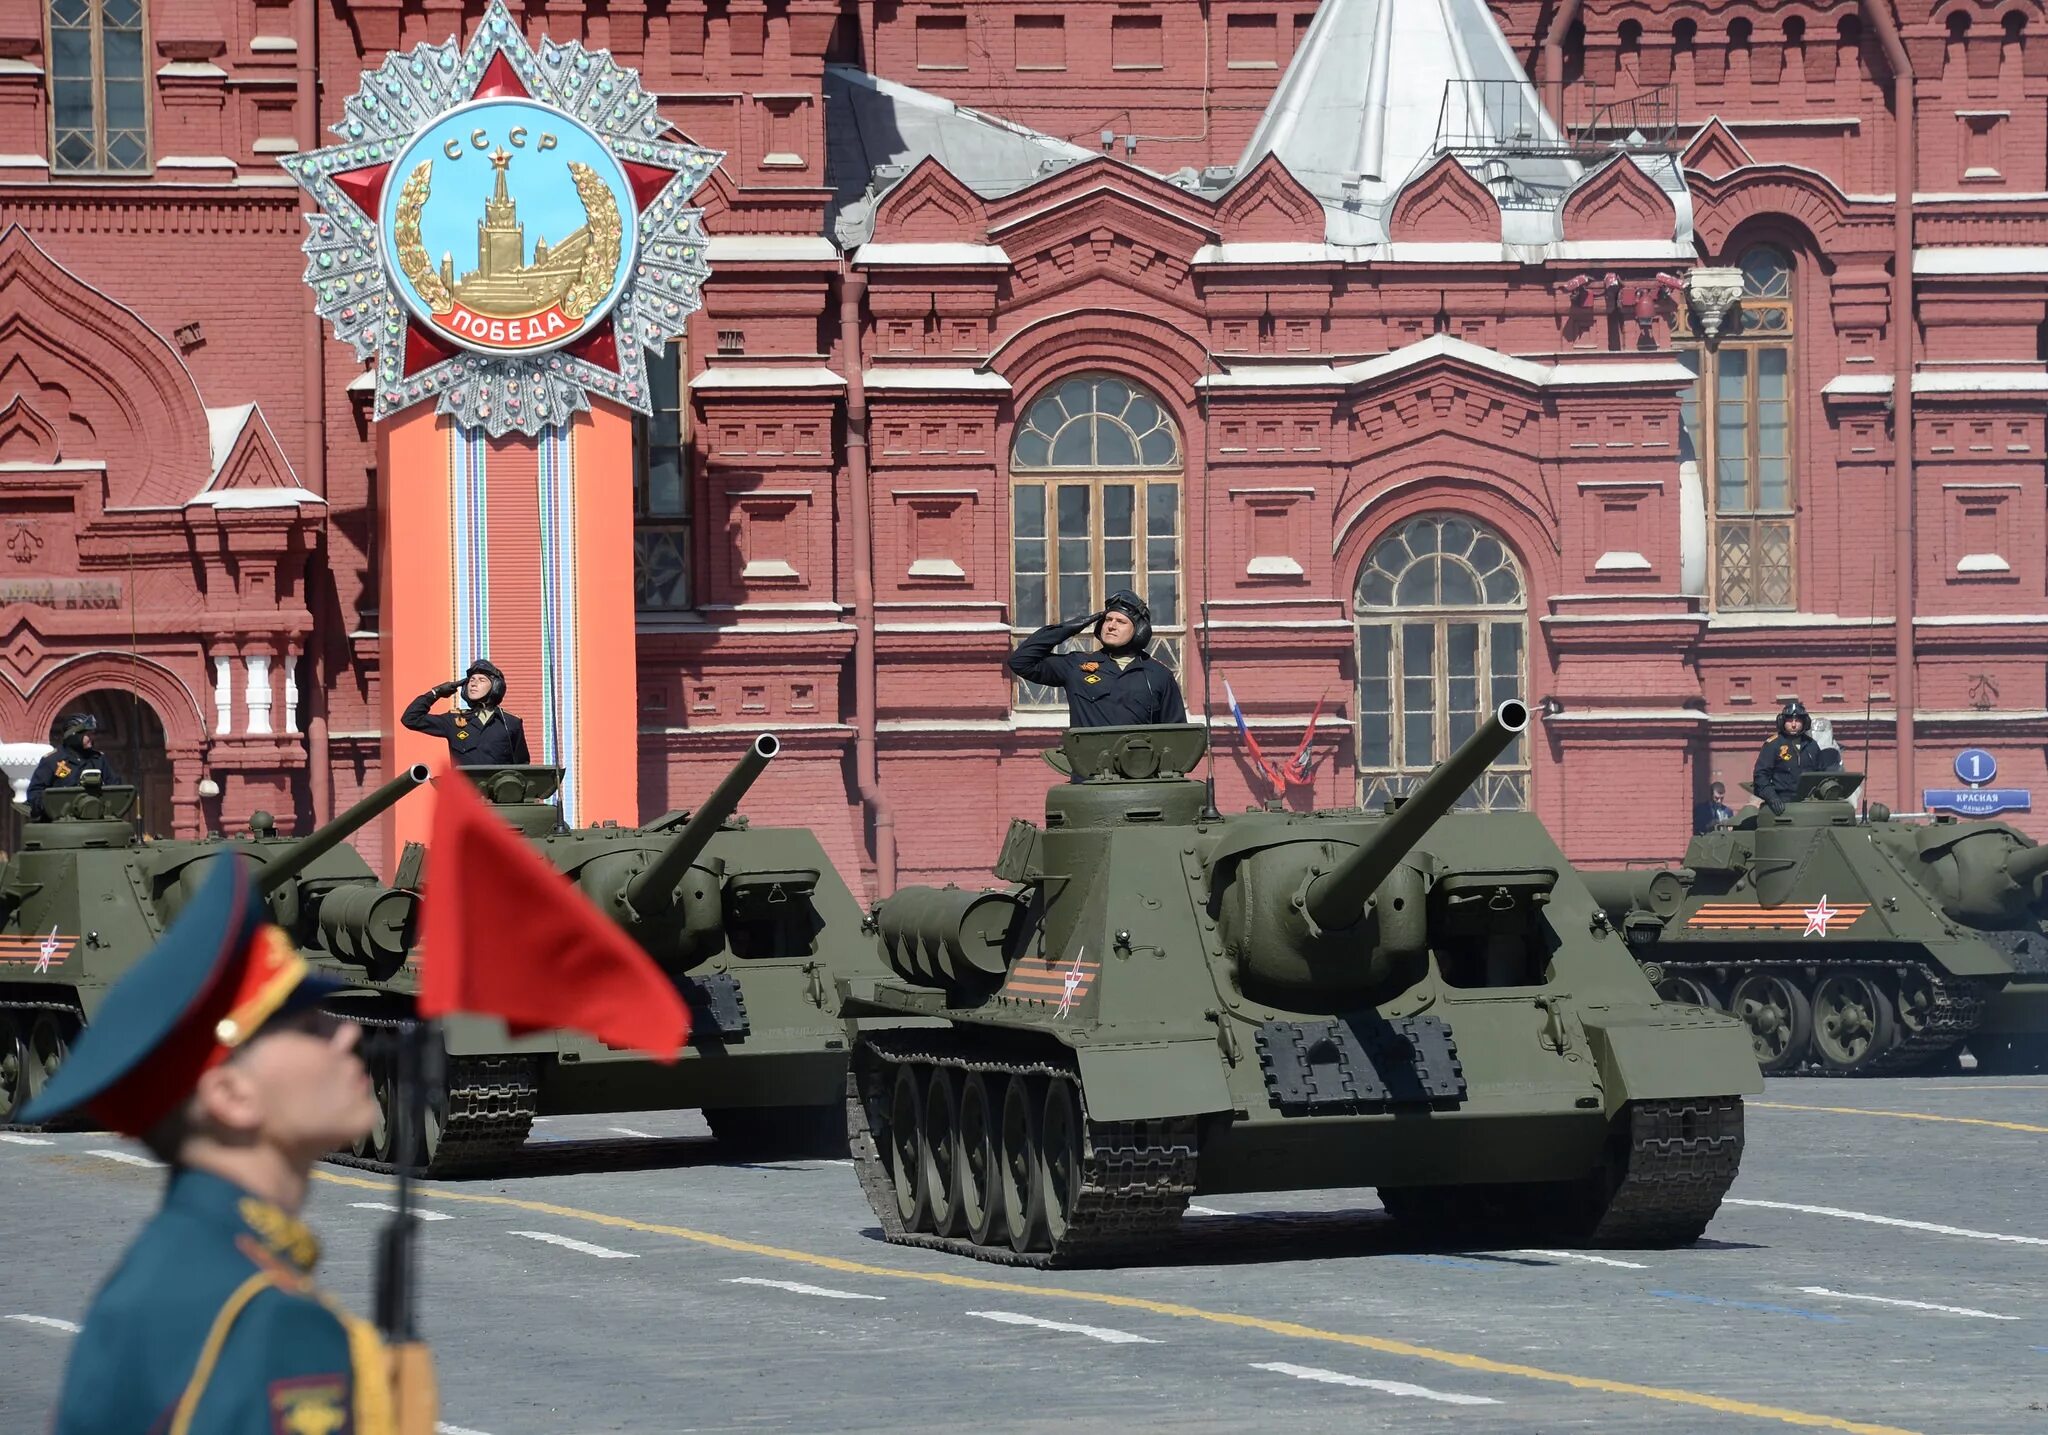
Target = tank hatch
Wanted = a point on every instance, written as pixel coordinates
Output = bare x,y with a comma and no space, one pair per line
1127,776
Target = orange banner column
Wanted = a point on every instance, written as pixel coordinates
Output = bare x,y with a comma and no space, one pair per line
519,550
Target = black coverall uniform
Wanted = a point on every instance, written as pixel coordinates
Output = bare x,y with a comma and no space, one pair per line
1782,759
472,742
62,769
1099,693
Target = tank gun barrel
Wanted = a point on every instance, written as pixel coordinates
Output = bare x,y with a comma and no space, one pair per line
2027,864
317,843
1336,899
654,889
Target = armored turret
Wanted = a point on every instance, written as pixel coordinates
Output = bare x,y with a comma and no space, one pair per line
1162,1002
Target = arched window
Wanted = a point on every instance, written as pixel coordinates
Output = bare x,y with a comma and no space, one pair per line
1095,484
1739,419
1441,611
99,89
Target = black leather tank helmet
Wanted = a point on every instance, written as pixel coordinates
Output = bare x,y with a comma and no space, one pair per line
1791,710
74,726
489,670
1124,601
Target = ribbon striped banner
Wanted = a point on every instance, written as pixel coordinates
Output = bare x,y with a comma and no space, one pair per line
1821,919
51,950
1036,979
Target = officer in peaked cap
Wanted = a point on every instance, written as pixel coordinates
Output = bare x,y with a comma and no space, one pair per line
483,735
75,755
215,1052
1118,684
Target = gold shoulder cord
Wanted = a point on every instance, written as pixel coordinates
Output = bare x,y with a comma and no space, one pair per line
371,1374
209,1353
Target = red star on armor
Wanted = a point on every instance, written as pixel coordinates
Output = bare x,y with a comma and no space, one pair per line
1818,916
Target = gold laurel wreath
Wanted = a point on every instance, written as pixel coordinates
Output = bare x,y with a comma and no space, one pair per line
601,259
412,253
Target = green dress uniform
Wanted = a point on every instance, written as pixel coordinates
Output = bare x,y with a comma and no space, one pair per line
211,1324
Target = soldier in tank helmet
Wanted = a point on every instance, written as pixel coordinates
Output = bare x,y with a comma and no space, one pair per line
75,756
1785,756
483,734
215,1053
1118,684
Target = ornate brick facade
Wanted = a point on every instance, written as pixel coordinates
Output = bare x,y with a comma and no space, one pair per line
866,473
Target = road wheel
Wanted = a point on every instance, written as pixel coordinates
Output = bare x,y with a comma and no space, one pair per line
1915,1003
974,1163
1021,1161
939,1151
904,1150
371,1145
1853,1022
1698,991
1779,1018
1060,1140
49,1042
13,1069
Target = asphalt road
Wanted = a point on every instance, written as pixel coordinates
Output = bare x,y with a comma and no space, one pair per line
1882,1265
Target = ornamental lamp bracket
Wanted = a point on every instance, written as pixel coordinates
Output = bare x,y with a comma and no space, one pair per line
1714,295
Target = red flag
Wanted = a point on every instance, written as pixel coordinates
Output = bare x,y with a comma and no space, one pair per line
506,935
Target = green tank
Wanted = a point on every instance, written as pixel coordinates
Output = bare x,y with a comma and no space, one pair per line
85,898
754,926
1164,1003
1850,943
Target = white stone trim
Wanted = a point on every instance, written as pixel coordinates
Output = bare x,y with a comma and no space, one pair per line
1443,346
1981,259
1940,381
256,694
930,255
765,376
1273,567
223,697
1621,561
764,248
936,568
954,380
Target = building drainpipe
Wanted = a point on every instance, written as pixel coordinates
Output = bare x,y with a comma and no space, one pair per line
867,776
1905,181
1553,52
312,681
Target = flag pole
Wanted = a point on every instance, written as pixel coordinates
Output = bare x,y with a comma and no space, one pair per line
397,1255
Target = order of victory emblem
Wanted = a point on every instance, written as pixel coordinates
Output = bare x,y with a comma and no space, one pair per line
505,231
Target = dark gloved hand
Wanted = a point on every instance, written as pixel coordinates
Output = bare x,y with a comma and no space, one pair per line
1075,625
446,690
1777,807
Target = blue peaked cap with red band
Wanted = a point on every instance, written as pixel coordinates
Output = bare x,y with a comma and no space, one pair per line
218,973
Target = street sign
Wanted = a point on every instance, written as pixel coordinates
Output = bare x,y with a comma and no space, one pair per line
1977,801
1976,766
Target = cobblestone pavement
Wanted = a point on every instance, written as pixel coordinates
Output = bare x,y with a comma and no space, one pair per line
1882,1265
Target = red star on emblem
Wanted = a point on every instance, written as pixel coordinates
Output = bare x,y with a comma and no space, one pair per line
1818,916
365,187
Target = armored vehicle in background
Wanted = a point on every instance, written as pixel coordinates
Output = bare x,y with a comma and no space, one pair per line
85,898
753,925
1850,944
1167,1003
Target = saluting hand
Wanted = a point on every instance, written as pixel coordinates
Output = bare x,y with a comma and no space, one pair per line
446,690
1075,625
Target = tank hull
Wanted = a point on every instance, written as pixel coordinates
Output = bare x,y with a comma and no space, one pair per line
1171,1021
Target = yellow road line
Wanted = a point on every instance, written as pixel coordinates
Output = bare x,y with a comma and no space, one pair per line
1287,1328
1902,1116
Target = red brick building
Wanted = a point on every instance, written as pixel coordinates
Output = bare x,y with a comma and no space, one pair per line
1655,388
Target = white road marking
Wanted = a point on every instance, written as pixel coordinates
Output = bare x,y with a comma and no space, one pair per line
629,1131
387,1206
1908,1304
603,1253
443,1428
800,1288
49,1321
1387,1387
1207,1211
1589,1259
13,1140
128,1158
1093,1332
1864,1216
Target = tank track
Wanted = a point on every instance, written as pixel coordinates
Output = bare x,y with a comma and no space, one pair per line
15,1007
1959,1007
1137,1176
1682,1158
491,1103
